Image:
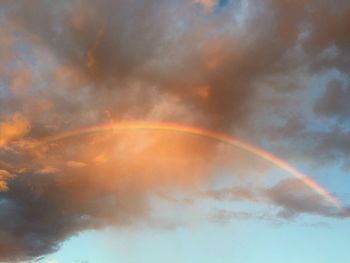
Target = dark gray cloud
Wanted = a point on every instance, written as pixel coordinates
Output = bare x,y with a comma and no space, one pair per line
291,196
332,146
295,198
329,23
335,101
40,211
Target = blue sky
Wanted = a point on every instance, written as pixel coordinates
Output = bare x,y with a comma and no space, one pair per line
246,241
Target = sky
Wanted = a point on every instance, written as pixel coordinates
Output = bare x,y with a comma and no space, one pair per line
174,131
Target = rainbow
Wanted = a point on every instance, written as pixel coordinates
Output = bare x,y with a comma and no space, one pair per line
209,134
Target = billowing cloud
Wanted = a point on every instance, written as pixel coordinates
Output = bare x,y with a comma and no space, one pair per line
47,205
126,63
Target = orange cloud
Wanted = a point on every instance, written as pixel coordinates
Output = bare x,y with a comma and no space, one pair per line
48,170
75,164
202,91
208,4
4,176
13,129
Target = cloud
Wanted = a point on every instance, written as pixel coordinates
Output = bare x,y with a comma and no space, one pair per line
334,101
133,63
40,211
291,196
48,205
14,128
225,216
329,25
209,4
233,194
295,198
4,177
75,164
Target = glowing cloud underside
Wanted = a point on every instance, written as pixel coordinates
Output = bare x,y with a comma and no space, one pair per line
209,134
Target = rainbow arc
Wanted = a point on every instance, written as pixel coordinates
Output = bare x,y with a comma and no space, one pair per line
209,134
